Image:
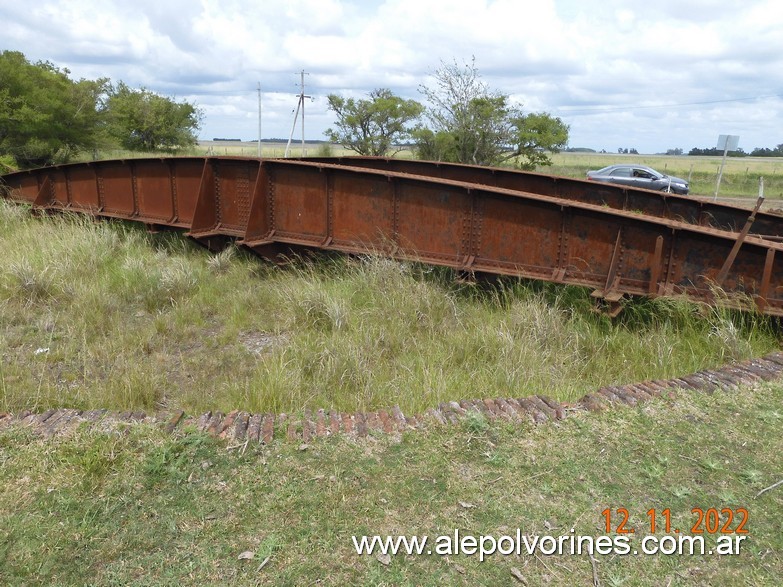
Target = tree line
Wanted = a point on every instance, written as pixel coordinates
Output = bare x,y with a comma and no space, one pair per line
464,121
708,152
757,152
46,117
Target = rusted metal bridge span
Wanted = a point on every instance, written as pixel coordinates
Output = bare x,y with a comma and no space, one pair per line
613,239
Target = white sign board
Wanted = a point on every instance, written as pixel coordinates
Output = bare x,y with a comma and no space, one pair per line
728,142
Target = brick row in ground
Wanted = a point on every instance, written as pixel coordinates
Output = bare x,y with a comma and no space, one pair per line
264,428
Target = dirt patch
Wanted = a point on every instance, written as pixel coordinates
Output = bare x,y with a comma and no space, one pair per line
259,343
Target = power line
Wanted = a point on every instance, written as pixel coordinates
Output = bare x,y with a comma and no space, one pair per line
299,105
259,120
220,92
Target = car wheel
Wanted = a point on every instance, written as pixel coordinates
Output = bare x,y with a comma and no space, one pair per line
667,189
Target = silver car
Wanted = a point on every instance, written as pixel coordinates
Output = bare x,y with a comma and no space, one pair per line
640,176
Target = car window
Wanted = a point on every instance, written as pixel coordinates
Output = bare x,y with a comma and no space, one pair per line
621,172
643,173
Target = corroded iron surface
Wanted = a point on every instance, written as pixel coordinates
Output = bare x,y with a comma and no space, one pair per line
617,241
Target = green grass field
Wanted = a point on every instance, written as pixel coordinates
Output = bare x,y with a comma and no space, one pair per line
141,508
106,315
740,175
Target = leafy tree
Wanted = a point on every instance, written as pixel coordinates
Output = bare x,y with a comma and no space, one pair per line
141,120
45,117
472,124
537,133
767,152
715,152
436,146
696,151
374,126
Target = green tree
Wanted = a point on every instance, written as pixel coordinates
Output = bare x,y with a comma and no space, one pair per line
45,117
469,123
536,135
141,120
374,126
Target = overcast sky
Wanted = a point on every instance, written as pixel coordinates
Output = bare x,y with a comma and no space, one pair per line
651,75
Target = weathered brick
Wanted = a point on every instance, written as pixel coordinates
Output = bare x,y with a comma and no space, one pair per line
361,425
292,433
348,423
320,423
241,423
268,428
399,418
225,428
532,409
254,428
334,422
609,394
508,410
436,415
493,408
556,406
173,421
543,407
386,422
594,402
203,421
214,423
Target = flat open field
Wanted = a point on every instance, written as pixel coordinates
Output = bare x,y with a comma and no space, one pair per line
676,165
141,508
740,175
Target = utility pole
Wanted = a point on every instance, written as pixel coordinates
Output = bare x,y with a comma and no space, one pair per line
299,105
259,120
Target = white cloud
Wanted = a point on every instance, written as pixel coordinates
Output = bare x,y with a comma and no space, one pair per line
620,72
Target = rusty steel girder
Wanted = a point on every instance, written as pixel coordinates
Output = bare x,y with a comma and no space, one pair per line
660,204
614,240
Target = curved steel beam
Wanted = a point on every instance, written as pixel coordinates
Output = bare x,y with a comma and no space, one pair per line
683,208
559,235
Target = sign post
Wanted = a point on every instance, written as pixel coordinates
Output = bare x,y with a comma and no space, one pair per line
727,143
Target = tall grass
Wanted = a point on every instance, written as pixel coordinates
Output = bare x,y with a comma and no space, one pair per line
103,314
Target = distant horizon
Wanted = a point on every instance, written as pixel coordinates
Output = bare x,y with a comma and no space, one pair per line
294,142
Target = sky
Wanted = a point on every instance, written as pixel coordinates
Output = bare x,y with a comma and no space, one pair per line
651,75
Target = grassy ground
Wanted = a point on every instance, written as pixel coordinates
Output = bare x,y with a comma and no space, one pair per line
142,508
105,315
740,175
